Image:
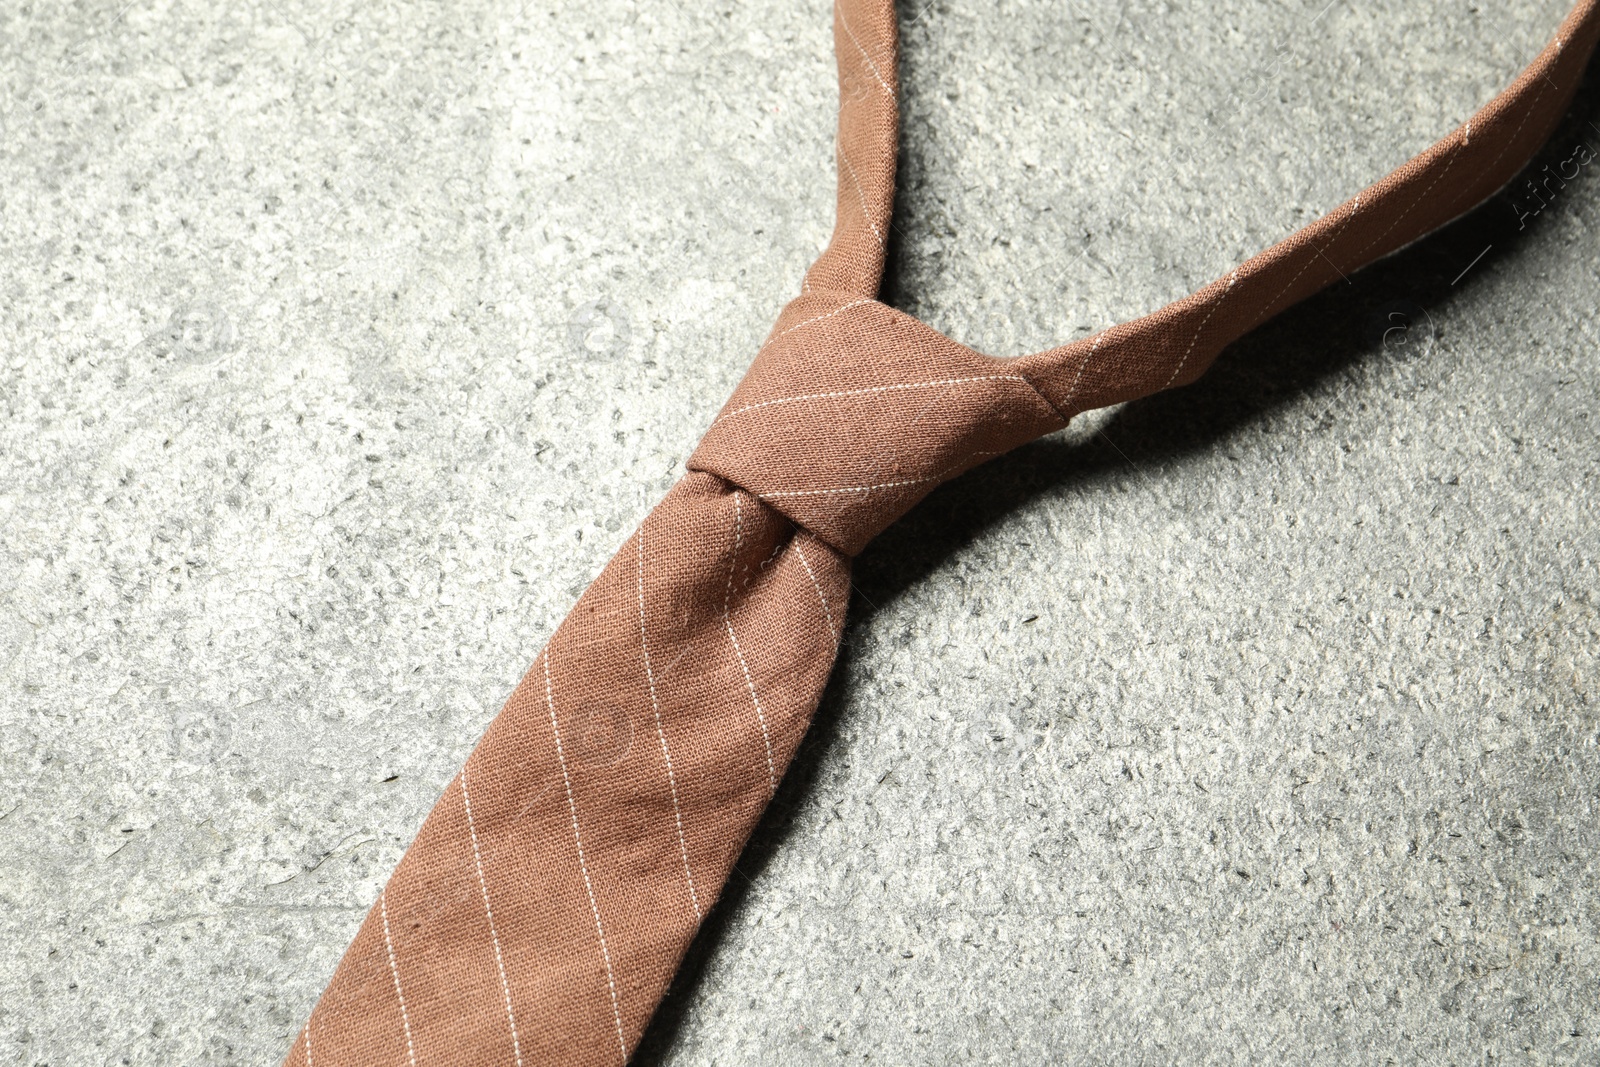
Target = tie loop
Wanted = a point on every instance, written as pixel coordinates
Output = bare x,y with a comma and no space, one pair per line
854,411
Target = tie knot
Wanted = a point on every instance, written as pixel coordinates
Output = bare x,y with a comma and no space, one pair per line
853,411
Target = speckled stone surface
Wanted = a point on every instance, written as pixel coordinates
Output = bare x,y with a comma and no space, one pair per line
341,344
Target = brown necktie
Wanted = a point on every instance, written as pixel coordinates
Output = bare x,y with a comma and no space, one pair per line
542,909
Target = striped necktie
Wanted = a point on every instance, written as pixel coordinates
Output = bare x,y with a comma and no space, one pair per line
547,900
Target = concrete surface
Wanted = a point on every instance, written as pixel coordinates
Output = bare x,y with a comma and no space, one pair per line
343,342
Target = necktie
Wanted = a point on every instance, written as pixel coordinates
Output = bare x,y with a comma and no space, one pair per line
544,905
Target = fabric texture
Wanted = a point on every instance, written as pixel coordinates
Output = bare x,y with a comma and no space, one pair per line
547,900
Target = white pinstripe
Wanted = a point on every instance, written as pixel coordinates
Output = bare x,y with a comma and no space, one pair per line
1518,131
1321,253
394,972
873,389
839,8
727,621
583,864
661,735
1073,391
1198,329
880,485
801,552
814,318
494,935
849,488
1437,178
860,195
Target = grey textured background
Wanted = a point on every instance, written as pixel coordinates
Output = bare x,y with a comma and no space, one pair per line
343,342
